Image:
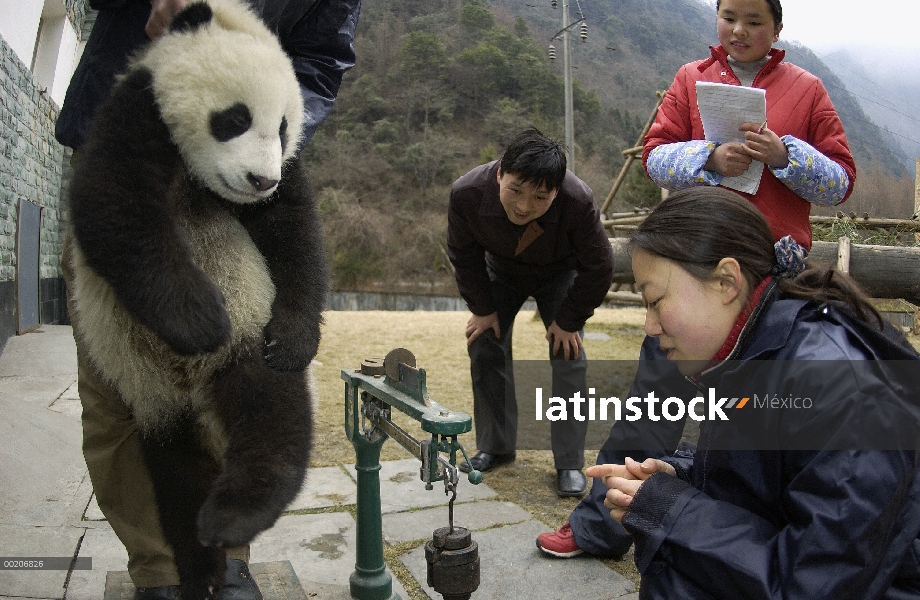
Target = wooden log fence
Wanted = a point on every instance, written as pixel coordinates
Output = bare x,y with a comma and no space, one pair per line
902,225
883,271
627,221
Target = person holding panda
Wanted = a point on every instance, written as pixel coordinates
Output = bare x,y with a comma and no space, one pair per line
318,36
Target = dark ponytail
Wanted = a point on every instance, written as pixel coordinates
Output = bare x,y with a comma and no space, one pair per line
825,284
699,226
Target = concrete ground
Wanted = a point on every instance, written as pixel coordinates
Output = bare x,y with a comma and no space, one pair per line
47,508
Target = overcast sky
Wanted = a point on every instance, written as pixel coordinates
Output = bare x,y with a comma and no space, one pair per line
826,25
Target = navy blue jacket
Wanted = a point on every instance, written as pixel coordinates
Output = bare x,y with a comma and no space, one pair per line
318,36
819,523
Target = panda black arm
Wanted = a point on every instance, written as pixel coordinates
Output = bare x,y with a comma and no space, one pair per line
119,202
286,231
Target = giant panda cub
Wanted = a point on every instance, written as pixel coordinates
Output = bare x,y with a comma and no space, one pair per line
199,277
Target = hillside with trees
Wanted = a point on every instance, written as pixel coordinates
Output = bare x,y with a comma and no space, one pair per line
443,85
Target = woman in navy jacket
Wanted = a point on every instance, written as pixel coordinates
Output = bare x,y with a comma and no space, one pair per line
811,492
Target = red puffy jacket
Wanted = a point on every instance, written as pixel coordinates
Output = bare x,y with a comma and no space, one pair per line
797,105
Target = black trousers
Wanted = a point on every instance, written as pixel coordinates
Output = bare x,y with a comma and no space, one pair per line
495,411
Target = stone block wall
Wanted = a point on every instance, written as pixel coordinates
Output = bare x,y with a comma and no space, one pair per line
31,167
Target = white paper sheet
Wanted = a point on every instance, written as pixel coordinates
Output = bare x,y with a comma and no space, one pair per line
723,108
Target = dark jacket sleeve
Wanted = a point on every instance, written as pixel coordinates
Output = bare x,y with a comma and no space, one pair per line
843,508
466,254
826,524
838,523
594,266
595,531
321,47
117,33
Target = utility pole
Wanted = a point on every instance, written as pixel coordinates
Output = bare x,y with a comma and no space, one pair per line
917,196
567,68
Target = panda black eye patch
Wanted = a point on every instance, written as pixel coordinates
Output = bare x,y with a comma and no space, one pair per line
231,122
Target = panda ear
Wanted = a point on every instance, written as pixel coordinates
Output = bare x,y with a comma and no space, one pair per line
191,17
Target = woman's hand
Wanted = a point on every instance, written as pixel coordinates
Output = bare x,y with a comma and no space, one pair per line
765,146
729,160
625,480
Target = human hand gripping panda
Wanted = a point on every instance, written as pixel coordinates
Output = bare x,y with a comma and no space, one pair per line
199,277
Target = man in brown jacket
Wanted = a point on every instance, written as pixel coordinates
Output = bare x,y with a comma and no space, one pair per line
520,227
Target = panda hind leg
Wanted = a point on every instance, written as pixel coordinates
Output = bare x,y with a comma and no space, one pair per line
183,471
268,421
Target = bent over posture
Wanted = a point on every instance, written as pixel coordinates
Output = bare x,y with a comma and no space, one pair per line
518,227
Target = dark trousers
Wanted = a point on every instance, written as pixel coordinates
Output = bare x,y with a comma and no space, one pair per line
495,410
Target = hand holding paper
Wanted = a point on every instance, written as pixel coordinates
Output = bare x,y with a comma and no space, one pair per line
723,108
729,160
765,145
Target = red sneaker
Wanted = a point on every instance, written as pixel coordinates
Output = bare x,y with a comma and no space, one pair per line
559,543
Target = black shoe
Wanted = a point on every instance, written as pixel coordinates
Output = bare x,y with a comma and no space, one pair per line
163,592
570,483
483,461
239,584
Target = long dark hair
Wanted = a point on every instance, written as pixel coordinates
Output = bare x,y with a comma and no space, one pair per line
699,226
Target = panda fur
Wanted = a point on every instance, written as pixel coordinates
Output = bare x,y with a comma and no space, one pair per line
199,276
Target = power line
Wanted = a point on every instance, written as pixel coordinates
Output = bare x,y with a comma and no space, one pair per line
875,124
862,76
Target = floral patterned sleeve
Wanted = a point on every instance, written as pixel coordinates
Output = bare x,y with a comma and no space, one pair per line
811,175
680,165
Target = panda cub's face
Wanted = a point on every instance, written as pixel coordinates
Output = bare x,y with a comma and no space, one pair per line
243,162
230,98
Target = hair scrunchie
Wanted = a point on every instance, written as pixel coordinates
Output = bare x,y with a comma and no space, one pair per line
790,257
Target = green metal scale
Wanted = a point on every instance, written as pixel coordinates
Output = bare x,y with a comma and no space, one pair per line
371,393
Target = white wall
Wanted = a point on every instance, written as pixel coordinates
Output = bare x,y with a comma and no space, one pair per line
68,57
55,56
57,50
19,26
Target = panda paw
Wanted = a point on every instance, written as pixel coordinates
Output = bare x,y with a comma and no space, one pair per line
221,526
289,346
197,323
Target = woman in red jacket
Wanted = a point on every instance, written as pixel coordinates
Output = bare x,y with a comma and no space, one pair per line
803,146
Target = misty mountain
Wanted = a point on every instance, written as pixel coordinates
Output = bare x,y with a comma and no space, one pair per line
888,91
